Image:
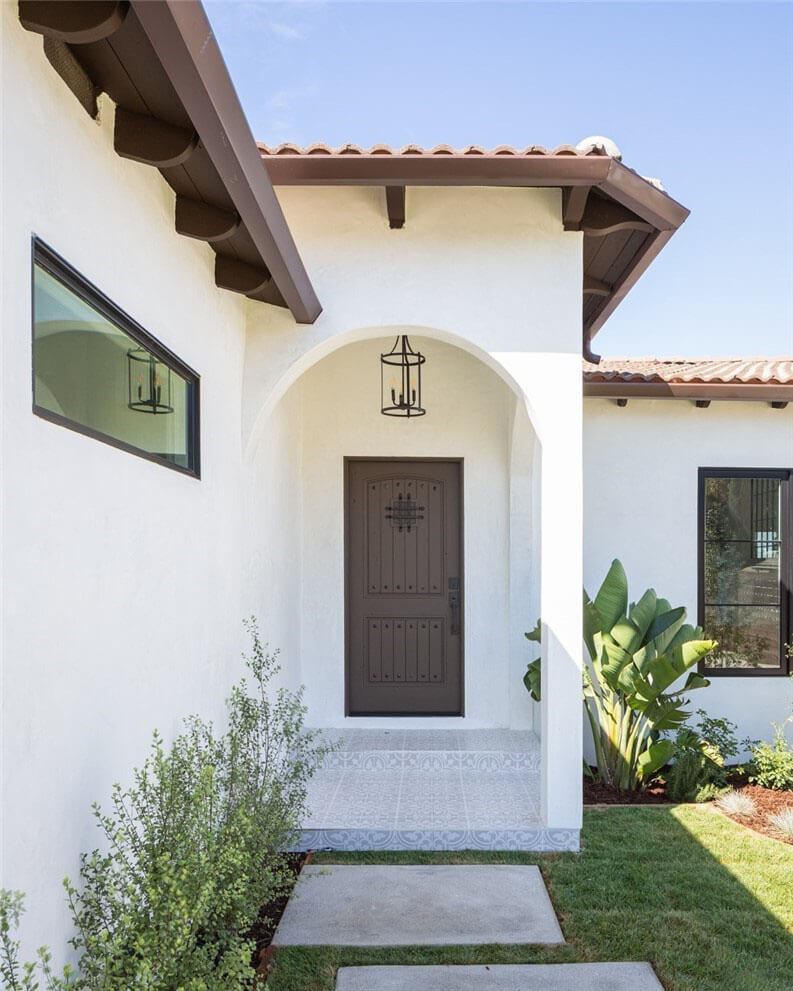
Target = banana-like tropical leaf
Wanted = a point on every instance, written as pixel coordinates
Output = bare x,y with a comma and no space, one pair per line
675,662
695,679
654,757
662,606
536,633
642,613
684,634
665,713
592,626
626,634
662,632
533,679
611,601
612,663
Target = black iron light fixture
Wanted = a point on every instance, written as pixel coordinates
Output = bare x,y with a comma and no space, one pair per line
400,380
149,382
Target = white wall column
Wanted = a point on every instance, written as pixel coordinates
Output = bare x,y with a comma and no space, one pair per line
551,384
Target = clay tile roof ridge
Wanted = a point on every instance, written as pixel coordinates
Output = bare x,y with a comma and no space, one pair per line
743,369
322,148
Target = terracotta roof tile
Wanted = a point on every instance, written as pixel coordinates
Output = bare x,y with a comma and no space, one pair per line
769,371
319,148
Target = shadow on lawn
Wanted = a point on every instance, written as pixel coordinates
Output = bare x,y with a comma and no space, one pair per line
707,902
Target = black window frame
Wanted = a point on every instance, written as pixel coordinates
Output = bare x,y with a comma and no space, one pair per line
785,475
47,258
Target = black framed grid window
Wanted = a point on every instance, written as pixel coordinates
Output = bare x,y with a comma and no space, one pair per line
97,371
746,569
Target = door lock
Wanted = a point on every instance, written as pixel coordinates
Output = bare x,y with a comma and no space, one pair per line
454,606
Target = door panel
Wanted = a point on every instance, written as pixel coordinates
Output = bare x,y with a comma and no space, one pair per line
403,575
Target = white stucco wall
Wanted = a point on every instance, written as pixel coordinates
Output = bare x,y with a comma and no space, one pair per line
332,412
640,505
488,266
121,584
124,583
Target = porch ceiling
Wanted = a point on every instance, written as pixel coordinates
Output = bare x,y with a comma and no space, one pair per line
625,218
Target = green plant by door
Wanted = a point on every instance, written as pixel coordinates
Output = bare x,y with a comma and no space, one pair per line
637,652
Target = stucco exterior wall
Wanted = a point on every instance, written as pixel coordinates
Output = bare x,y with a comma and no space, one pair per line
121,578
640,505
489,266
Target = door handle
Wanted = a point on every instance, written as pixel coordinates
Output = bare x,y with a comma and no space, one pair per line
454,606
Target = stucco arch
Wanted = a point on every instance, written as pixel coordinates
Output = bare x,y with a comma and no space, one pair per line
269,393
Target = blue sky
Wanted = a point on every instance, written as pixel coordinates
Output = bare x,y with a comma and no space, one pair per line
697,94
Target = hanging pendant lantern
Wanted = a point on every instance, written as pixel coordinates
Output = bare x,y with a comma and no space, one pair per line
149,382
400,380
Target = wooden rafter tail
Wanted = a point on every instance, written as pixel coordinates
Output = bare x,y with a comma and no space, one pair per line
395,205
77,22
237,276
204,221
151,141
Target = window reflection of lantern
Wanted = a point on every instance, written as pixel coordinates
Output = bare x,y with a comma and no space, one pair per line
149,382
400,380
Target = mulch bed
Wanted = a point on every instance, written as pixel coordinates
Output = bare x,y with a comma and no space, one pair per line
270,914
596,793
768,802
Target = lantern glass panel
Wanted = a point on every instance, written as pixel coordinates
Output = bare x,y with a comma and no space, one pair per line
400,380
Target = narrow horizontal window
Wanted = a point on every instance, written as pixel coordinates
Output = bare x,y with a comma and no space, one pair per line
744,601
98,372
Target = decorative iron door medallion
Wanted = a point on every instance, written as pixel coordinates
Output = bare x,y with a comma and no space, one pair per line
404,598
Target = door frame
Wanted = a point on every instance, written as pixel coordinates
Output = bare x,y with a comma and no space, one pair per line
348,459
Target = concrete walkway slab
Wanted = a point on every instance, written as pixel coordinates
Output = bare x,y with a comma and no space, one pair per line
503,977
410,906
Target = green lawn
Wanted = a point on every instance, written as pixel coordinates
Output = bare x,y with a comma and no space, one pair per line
707,902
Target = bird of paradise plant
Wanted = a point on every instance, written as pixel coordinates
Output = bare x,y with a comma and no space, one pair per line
632,689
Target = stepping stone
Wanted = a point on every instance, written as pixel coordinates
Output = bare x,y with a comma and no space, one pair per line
503,977
418,906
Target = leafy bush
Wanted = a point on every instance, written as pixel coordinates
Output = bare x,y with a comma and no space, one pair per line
773,763
23,977
636,654
195,847
699,771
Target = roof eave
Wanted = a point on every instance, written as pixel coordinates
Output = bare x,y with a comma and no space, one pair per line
724,391
651,209
170,45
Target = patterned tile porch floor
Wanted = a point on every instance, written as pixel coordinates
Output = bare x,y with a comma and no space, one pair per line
463,780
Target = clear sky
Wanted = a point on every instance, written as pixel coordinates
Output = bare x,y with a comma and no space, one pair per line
699,95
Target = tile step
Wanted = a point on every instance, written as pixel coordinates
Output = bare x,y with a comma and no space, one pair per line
434,760
538,839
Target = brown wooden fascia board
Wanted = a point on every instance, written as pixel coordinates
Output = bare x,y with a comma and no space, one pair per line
182,39
704,391
610,176
436,170
643,198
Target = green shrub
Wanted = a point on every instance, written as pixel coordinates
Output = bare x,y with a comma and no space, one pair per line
773,763
699,769
23,977
193,849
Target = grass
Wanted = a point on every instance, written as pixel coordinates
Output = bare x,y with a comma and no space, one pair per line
706,901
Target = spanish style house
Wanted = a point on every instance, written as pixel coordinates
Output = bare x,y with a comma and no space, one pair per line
201,337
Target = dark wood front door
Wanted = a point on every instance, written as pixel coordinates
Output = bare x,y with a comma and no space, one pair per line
404,588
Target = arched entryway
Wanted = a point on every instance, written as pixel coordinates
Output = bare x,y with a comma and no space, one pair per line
323,415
